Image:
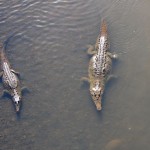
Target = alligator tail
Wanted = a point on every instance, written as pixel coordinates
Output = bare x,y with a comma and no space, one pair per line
2,54
103,31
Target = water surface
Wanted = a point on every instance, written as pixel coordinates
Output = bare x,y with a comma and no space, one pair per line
46,43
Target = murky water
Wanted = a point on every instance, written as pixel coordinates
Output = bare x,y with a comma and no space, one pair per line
47,44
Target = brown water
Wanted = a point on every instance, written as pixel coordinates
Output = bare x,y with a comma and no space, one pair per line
47,44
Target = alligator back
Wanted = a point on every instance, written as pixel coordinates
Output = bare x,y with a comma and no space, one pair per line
10,80
100,63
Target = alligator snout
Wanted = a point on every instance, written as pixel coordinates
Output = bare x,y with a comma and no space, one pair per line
98,106
17,106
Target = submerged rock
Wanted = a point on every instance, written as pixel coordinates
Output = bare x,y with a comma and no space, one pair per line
114,144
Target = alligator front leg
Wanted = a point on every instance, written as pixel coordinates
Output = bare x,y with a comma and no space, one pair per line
1,74
91,50
85,79
24,90
110,77
113,56
5,93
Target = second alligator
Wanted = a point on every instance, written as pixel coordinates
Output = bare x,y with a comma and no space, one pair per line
10,80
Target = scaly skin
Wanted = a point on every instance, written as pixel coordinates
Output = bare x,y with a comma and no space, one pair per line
10,80
99,66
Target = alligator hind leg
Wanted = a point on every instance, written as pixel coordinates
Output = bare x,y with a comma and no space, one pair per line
96,44
91,50
113,56
15,72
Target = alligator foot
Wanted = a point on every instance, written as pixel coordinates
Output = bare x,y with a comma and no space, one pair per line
24,90
110,77
85,79
113,56
91,50
5,93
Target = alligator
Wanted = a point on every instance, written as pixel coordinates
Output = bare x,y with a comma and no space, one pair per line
99,66
10,80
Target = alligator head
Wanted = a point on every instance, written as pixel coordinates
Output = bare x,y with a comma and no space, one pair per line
97,90
17,99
